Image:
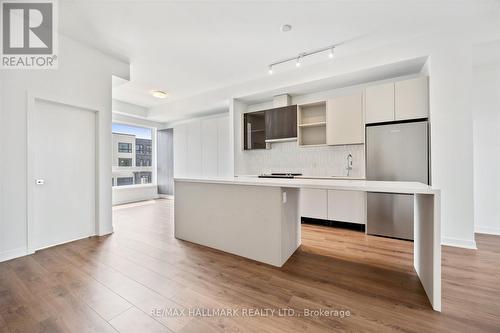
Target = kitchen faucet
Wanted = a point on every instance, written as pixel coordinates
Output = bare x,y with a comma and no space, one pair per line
349,164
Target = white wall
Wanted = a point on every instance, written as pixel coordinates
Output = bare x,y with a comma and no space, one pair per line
486,107
134,193
202,147
83,78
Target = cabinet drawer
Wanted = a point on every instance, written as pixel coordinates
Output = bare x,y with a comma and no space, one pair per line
313,203
347,206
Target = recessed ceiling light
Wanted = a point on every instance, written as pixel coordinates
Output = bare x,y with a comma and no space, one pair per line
158,94
285,28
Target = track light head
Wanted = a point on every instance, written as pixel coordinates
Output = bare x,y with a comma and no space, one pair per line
299,61
300,57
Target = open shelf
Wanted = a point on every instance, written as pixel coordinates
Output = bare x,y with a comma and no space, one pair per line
312,136
312,113
312,124
320,123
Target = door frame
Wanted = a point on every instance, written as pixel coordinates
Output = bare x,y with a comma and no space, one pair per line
31,98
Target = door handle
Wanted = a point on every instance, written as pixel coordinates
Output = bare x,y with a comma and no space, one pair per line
40,181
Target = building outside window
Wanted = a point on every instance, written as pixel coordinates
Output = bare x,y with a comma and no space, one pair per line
125,162
124,147
121,181
132,155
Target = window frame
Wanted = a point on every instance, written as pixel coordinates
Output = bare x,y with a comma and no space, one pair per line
152,168
129,149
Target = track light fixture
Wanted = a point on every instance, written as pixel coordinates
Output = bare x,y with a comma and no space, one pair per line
299,61
300,57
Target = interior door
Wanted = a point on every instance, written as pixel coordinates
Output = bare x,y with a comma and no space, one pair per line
63,148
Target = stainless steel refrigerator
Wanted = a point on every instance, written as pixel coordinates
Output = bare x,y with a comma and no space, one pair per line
395,152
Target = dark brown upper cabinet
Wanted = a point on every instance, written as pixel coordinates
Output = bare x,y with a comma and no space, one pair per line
254,136
281,123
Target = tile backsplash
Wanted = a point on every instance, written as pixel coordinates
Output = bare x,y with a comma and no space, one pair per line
310,161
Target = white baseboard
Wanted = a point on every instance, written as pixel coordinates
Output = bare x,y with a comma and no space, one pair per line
463,243
64,242
166,196
487,230
12,254
107,231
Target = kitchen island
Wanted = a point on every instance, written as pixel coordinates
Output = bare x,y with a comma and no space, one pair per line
260,218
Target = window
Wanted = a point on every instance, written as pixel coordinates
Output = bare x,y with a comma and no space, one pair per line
125,162
121,181
136,168
124,147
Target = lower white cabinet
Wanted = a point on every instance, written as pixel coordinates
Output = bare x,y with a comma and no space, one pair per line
314,203
336,205
347,206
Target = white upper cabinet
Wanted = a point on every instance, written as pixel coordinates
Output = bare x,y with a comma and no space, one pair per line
379,103
412,99
401,100
345,124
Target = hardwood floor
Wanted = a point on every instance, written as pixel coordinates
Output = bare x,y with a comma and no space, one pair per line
123,282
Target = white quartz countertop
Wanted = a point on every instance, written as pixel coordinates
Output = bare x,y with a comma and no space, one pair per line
333,184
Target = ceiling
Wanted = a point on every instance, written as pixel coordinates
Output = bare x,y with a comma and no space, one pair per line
189,47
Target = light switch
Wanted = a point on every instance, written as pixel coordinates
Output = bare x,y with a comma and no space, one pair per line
284,197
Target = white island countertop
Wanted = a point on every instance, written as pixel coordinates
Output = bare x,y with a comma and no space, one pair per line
333,184
259,218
